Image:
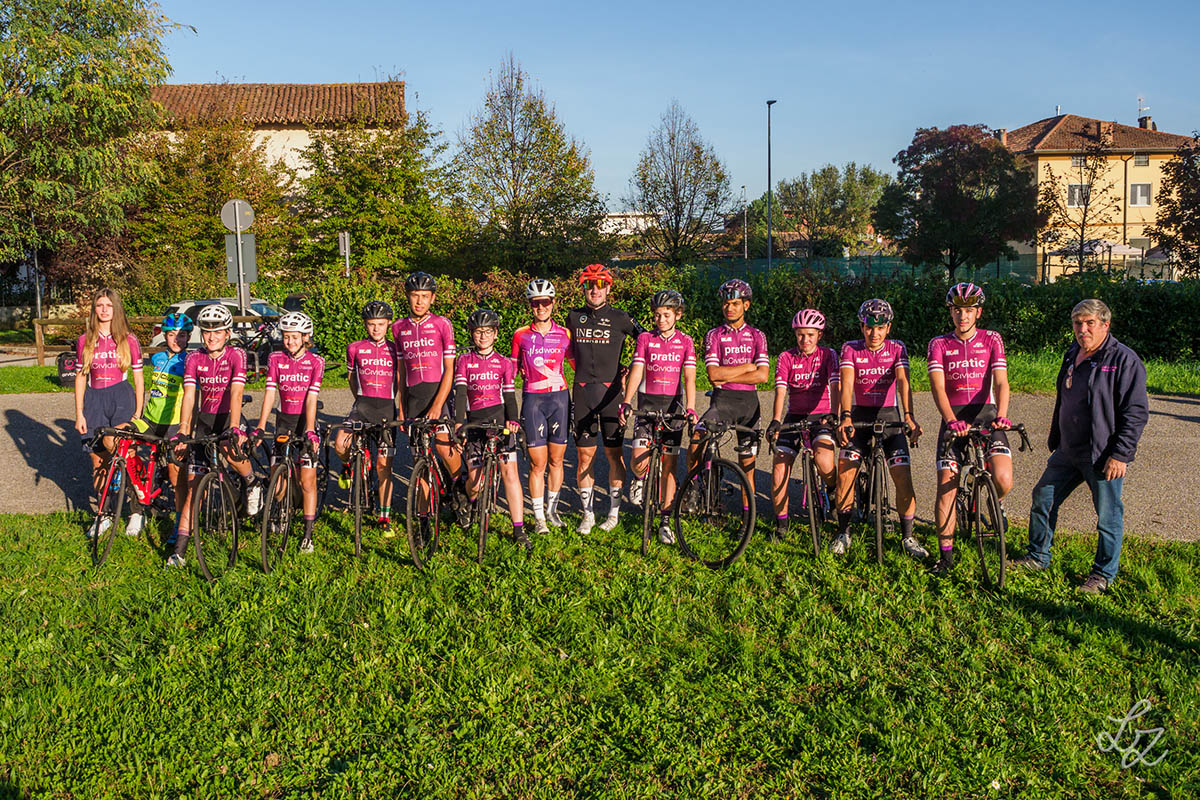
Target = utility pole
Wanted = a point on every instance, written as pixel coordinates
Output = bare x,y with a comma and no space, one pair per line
769,104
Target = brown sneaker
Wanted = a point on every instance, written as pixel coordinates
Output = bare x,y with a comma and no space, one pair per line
1095,584
1027,562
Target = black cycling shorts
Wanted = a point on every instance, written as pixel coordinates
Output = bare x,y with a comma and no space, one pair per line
475,440
418,399
643,428
596,414
736,407
293,425
789,443
373,410
953,457
205,425
895,445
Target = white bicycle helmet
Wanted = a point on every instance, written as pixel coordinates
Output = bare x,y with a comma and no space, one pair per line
214,317
539,287
296,321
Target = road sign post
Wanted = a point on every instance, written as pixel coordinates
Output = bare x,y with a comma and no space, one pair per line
344,249
237,216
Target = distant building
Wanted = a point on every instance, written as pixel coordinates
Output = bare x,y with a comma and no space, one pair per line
626,223
282,115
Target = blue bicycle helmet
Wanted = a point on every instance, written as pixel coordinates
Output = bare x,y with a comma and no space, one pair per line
177,322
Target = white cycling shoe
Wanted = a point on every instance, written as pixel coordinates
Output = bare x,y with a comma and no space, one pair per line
586,524
610,522
914,548
135,524
839,545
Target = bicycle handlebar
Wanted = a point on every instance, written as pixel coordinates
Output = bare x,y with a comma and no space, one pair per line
986,429
490,428
129,433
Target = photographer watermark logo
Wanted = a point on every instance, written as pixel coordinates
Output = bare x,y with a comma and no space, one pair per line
1131,754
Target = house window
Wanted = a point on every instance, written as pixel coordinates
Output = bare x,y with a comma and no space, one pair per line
1078,161
1077,195
1139,194
1141,159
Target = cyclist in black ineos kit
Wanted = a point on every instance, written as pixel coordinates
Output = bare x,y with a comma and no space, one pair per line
598,336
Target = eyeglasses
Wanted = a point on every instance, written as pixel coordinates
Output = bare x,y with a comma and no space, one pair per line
875,322
541,302
595,283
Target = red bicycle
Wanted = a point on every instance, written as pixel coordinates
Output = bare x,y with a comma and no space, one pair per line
135,470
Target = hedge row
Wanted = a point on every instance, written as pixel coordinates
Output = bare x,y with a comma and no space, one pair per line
1154,319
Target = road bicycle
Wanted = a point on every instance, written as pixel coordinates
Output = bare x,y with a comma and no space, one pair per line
815,504
872,500
660,424
135,472
368,441
216,504
714,508
498,442
428,485
284,502
977,505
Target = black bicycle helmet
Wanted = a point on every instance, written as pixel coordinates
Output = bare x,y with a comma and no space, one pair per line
735,288
483,318
669,298
377,309
420,282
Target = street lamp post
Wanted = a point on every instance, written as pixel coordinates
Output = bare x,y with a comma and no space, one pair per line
769,104
745,230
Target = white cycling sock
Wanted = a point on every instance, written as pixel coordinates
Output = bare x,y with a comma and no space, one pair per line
614,499
552,502
539,509
585,499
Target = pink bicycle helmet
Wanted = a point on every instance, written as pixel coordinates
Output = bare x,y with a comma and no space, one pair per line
965,295
809,318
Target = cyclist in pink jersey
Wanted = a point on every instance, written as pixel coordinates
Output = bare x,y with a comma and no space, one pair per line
663,378
485,393
874,377
104,355
807,386
294,376
736,359
540,350
372,365
968,376
214,380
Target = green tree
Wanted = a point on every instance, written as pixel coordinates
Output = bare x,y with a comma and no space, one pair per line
681,183
528,186
831,207
75,82
756,215
1177,222
386,188
960,198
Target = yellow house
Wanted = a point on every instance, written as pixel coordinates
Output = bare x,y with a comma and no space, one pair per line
1119,196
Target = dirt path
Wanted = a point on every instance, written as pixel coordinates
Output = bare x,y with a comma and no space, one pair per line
42,468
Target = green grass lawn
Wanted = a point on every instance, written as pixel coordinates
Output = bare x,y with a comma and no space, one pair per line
584,669
22,380
17,336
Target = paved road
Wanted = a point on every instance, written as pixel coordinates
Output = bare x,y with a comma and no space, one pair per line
41,467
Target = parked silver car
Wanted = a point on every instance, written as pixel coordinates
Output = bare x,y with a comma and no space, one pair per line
247,331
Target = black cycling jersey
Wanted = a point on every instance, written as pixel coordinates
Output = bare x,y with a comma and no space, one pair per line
597,338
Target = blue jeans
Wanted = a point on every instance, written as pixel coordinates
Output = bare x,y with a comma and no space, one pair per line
1063,476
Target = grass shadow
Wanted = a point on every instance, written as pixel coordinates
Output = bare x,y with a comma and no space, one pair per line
1085,614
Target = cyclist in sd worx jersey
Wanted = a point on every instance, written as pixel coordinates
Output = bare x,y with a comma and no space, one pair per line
735,357
485,393
425,347
371,365
968,376
540,349
663,377
294,375
214,380
874,377
598,336
807,383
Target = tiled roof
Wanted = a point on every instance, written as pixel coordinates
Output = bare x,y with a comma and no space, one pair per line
314,104
1072,133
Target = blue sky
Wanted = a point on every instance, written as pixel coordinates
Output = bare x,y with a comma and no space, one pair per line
853,80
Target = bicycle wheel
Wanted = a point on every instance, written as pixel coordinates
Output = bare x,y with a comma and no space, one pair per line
652,491
813,496
279,516
111,515
484,504
322,466
421,518
988,522
719,517
879,501
214,526
358,497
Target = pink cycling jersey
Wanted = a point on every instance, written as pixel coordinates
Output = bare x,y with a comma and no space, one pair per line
106,369
874,371
373,366
725,346
540,357
810,379
294,378
968,366
423,346
664,360
485,378
215,377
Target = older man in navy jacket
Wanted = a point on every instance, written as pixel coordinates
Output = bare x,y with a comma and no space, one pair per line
1099,415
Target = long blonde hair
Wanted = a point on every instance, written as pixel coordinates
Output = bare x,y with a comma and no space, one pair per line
118,329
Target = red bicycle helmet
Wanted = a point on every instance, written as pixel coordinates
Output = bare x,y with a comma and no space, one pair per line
595,272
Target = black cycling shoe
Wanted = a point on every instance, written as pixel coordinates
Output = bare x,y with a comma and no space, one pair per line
780,532
942,567
522,538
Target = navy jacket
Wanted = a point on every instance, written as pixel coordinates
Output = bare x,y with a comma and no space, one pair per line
1117,393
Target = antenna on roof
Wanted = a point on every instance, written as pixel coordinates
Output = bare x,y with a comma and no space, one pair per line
1142,109
1058,110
